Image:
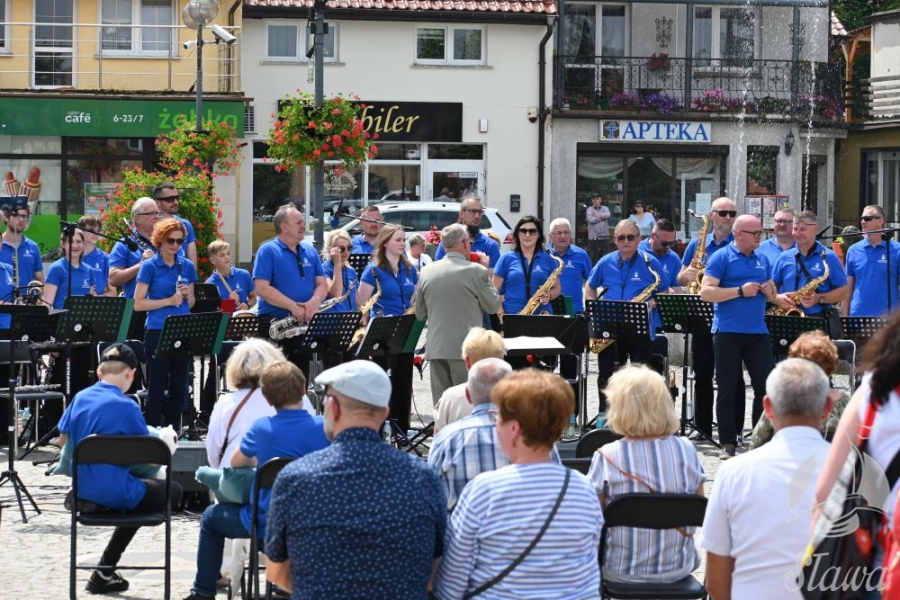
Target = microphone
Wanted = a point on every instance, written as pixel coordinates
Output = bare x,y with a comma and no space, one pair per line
130,244
821,233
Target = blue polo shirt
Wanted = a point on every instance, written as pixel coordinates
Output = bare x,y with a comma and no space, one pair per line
282,266
162,282
733,268
575,272
98,260
396,291
6,292
711,247
789,277
772,250
360,245
103,409
481,243
625,279
670,261
239,280
867,264
29,260
121,257
349,276
189,237
83,277
512,267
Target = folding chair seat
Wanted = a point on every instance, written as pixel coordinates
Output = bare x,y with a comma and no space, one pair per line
582,465
264,480
592,440
653,511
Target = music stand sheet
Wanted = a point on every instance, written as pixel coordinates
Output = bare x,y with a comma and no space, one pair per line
784,330
570,333
38,327
332,331
861,329
198,334
359,263
206,298
386,335
96,319
684,313
242,327
525,344
613,319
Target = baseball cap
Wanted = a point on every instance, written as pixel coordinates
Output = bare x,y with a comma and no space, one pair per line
361,380
120,352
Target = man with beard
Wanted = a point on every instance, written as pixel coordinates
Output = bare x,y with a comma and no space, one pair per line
167,199
471,211
27,265
370,223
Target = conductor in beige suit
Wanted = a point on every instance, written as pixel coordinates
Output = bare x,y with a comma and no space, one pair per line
451,295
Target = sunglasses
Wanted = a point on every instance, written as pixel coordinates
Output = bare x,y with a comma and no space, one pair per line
665,244
528,231
174,198
868,218
726,213
343,248
756,234
630,237
176,241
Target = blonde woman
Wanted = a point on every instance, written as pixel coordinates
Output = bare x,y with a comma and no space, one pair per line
335,259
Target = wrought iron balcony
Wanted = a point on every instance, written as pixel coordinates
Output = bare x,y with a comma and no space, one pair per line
669,86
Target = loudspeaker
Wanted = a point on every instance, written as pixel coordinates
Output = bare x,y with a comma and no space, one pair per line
189,457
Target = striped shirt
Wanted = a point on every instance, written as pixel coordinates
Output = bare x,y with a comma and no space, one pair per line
498,515
669,465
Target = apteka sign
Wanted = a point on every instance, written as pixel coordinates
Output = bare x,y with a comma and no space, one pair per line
669,132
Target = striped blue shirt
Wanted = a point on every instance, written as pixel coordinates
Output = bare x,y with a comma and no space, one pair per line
498,515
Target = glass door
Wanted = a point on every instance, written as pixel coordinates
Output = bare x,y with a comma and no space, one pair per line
455,179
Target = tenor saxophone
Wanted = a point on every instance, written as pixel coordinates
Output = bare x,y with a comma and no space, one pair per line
598,345
360,332
535,301
699,260
289,326
806,290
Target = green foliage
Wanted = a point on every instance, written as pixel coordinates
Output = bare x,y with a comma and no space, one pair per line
214,149
853,13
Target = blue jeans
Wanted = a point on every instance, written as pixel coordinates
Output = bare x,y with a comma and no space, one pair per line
219,521
164,375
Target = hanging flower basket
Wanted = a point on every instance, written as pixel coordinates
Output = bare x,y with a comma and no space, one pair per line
214,151
303,134
659,61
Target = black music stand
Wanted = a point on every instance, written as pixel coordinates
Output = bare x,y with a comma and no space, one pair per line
860,329
387,336
359,262
783,330
10,473
184,336
686,314
240,328
329,334
206,298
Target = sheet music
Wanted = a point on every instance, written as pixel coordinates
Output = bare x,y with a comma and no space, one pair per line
533,343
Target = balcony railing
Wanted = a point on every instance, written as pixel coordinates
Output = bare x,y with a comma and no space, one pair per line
113,57
660,83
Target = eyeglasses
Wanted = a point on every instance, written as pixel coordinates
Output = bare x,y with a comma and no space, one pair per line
18,216
148,214
494,415
868,218
174,198
726,213
343,248
629,237
176,241
475,211
783,221
524,231
756,234
561,233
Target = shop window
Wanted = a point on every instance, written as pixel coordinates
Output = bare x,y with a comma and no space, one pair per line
725,36
450,45
283,42
131,26
762,169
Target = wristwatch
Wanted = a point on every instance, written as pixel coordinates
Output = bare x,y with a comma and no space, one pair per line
740,292
821,298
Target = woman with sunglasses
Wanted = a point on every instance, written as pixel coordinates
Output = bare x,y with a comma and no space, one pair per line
644,220
519,274
335,259
165,286
397,280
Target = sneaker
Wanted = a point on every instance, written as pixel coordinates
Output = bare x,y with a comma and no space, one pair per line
224,582
195,596
100,583
727,452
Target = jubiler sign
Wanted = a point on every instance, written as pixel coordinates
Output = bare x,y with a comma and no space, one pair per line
669,132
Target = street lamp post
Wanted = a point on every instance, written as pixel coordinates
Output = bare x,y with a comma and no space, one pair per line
198,14
319,27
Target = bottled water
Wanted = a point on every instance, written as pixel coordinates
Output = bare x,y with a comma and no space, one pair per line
386,433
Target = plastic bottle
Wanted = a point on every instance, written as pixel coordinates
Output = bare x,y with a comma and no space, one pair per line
570,432
386,432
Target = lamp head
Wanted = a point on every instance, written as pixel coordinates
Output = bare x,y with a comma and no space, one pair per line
198,13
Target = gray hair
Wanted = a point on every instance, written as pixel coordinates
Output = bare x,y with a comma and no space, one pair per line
483,376
797,388
248,361
469,199
559,221
453,235
807,216
143,204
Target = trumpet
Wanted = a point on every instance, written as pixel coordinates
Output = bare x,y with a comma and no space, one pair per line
289,326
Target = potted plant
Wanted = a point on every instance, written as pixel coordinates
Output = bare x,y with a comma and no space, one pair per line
659,61
214,150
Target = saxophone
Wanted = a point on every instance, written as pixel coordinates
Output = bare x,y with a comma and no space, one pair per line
598,345
535,301
699,260
360,332
289,327
806,290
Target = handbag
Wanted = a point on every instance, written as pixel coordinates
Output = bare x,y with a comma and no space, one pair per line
489,584
231,422
844,535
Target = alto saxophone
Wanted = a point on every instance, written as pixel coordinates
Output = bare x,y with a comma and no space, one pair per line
699,260
360,332
535,301
289,326
806,290
598,345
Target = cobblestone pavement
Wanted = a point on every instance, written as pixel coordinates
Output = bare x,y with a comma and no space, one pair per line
35,556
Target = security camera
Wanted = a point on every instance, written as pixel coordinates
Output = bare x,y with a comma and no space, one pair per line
532,115
189,44
222,35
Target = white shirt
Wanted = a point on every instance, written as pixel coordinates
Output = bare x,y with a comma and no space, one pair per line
759,513
884,439
451,406
423,261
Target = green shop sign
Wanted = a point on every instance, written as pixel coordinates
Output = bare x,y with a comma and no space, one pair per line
89,117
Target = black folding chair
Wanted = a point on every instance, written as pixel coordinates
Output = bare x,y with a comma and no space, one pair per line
592,440
264,480
582,465
122,451
653,511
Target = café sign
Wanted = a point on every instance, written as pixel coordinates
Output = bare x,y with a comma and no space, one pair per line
669,132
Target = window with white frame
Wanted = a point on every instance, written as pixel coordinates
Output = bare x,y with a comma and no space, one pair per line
4,26
131,26
450,45
727,35
283,42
